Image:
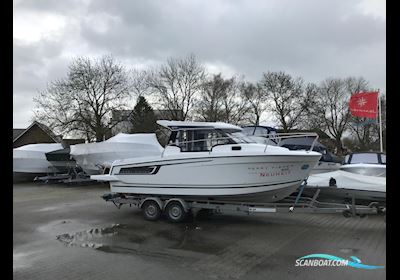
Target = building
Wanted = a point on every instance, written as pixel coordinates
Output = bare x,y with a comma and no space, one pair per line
35,133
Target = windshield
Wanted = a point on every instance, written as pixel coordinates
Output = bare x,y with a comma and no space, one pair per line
365,158
204,139
237,136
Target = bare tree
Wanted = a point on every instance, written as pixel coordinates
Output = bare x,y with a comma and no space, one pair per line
83,101
288,99
256,99
139,82
311,120
334,95
210,106
235,107
177,84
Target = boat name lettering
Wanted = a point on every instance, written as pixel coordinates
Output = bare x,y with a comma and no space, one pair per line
272,174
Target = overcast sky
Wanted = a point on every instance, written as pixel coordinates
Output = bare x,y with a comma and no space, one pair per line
314,39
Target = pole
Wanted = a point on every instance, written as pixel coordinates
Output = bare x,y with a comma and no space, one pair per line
380,121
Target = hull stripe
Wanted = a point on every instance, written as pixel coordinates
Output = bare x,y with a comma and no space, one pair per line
197,187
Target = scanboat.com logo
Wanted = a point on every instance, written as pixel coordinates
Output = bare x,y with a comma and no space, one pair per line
330,260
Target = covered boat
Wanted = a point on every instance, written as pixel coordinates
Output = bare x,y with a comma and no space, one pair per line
268,135
92,157
366,163
30,161
342,184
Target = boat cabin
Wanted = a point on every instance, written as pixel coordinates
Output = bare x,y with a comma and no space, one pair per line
202,136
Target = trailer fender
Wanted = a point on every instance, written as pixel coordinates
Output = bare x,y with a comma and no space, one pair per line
181,201
156,199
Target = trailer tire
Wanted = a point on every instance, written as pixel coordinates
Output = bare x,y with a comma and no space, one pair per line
151,210
175,212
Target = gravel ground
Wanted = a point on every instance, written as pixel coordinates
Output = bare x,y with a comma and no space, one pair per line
69,232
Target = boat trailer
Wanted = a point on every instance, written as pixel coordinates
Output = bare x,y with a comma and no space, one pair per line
74,175
177,209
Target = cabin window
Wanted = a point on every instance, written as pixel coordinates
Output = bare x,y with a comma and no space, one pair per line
200,140
139,170
250,130
364,158
261,131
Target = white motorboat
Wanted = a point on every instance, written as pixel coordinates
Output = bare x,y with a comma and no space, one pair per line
344,185
268,135
93,157
366,163
30,161
212,161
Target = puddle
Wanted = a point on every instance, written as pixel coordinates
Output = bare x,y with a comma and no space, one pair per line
60,226
151,239
84,238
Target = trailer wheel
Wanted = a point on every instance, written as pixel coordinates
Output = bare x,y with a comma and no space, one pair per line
175,212
151,211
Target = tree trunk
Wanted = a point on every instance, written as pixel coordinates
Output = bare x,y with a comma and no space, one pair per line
99,136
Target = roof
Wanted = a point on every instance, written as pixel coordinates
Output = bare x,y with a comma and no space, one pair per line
43,127
178,124
270,128
17,132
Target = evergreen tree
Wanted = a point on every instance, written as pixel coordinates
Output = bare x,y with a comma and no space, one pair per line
143,118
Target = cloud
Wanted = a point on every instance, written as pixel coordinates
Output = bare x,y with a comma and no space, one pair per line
314,39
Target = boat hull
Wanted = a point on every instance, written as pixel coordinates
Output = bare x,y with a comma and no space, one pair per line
366,169
251,194
323,167
261,178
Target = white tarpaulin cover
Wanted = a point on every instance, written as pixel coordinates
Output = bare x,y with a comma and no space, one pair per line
145,140
348,180
122,146
32,158
41,148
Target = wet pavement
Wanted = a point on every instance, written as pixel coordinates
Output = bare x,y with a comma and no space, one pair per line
69,232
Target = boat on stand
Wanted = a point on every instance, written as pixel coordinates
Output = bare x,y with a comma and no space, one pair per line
30,161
